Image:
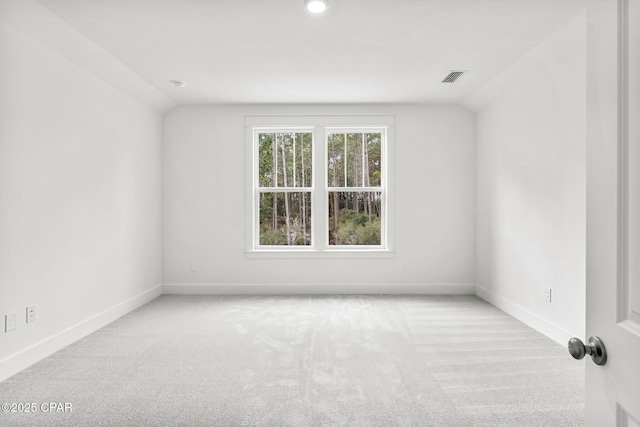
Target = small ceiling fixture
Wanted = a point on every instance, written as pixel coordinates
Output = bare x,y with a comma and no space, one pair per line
178,83
316,6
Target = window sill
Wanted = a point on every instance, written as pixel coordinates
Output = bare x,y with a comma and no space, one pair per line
330,254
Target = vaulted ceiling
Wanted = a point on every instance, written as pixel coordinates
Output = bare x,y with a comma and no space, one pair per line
274,51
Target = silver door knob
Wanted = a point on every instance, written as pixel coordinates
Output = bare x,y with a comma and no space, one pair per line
594,348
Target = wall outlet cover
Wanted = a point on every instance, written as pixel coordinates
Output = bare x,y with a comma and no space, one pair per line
10,322
31,313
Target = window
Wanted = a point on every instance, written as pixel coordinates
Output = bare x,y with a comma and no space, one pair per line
354,185
284,187
319,186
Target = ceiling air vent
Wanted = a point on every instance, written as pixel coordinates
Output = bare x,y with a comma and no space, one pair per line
453,76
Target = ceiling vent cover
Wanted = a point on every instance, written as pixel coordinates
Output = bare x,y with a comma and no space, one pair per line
453,76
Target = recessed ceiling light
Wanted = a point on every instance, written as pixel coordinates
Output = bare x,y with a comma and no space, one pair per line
316,6
178,83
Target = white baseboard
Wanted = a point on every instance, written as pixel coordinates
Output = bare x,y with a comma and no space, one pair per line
551,330
27,357
319,289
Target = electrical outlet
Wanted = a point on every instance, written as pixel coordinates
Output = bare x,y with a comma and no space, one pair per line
10,322
31,314
547,294
193,266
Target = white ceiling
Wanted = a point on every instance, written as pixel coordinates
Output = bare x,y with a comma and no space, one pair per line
273,51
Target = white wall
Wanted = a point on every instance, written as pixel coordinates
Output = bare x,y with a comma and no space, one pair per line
204,203
79,199
531,185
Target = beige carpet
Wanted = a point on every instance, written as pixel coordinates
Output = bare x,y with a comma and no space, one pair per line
307,361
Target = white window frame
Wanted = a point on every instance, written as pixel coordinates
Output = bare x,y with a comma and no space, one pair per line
320,126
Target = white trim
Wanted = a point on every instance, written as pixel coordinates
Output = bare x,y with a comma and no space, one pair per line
318,126
319,203
624,418
38,351
309,252
388,175
295,121
250,159
622,309
551,330
319,289
283,189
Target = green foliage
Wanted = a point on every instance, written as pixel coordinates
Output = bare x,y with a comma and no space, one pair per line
356,229
265,159
285,160
269,236
354,157
280,229
369,233
285,154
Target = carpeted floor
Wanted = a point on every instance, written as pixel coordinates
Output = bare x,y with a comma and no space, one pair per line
306,361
